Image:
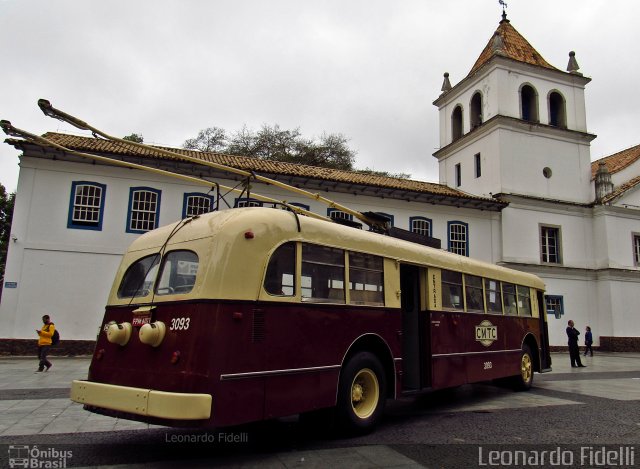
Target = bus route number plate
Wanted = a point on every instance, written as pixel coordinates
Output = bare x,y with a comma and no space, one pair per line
141,320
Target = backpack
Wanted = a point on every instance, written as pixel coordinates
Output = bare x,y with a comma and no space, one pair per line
55,338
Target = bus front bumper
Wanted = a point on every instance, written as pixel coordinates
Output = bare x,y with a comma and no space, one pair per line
139,401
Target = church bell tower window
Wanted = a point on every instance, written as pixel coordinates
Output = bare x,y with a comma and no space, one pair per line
456,123
529,103
557,110
476,110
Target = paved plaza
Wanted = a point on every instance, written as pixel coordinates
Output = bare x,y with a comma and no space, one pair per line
38,404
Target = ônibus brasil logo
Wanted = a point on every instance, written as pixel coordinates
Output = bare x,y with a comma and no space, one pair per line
486,333
32,456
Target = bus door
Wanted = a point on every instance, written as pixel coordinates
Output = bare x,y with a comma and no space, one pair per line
545,357
415,362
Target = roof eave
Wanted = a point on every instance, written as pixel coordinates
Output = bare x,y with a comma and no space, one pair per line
513,122
311,181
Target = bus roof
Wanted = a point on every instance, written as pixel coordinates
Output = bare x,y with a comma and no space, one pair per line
273,227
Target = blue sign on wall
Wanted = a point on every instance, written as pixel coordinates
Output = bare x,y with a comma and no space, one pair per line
10,284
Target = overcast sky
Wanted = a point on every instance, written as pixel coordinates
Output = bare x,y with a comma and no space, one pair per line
369,69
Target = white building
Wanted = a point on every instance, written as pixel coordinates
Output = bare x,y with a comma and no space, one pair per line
517,188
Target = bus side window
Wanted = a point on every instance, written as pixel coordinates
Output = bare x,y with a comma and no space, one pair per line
509,299
524,301
281,271
178,274
493,296
473,292
452,289
322,274
366,281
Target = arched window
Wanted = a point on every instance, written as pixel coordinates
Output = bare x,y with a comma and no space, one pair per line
144,209
196,203
458,237
557,110
529,103
456,123
335,213
420,225
86,207
476,110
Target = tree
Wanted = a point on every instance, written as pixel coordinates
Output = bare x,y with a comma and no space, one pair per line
134,138
373,172
276,144
209,139
7,202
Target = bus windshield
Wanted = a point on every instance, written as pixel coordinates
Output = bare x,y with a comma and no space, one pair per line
139,278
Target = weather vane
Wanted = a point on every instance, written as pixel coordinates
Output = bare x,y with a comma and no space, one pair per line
503,3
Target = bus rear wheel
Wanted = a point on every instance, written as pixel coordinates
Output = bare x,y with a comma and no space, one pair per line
524,380
361,395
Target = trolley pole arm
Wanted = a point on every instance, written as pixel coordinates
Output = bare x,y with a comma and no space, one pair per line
9,129
50,111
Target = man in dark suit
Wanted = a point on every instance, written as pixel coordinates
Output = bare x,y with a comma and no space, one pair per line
574,351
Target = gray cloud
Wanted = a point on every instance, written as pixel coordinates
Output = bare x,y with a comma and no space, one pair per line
368,69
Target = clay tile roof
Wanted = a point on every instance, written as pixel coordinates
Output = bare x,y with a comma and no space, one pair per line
617,161
514,46
621,190
93,145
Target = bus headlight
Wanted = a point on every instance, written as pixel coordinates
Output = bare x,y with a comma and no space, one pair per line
152,333
119,333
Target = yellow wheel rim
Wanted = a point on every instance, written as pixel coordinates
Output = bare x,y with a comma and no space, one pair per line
365,393
526,369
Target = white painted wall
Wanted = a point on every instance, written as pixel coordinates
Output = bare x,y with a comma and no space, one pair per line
579,298
613,236
521,234
67,273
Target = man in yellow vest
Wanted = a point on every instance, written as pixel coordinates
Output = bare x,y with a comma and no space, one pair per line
44,343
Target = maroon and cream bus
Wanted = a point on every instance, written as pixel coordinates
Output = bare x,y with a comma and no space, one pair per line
255,313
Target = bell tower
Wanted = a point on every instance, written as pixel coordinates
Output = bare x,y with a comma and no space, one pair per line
516,125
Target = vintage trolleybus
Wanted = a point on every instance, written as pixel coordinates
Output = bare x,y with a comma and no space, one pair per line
254,313
247,314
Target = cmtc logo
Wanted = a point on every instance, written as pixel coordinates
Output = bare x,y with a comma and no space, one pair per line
486,333
31,456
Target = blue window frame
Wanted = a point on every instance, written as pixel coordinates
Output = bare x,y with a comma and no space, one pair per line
86,205
458,237
302,206
144,209
245,202
335,213
555,305
196,203
421,225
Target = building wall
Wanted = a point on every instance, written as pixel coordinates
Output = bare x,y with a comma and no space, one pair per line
521,233
67,273
613,230
580,294
512,162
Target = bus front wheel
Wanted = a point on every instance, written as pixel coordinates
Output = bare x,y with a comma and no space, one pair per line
361,396
524,380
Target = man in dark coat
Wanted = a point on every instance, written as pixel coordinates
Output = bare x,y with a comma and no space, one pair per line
574,351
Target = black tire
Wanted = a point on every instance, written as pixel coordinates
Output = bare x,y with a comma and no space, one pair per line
524,380
361,394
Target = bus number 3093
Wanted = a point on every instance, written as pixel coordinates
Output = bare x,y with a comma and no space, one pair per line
179,324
